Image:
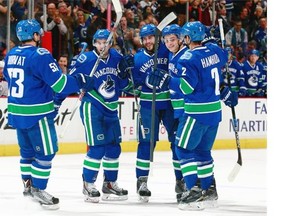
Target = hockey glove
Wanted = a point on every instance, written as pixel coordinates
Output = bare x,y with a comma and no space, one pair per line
85,82
242,92
159,78
260,93
230,98
125,65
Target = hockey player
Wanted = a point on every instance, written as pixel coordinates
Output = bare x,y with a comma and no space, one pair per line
171,39
253,71
99,114
236,75
144,61
33,76
199,83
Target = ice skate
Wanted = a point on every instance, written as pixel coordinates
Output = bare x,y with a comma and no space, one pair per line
180,188
210,196
142,190
91,193
45,199
27,187
111,191
191,200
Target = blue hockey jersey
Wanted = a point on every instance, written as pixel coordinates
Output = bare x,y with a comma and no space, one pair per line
33,76
144,63
108,85
200,82
177,98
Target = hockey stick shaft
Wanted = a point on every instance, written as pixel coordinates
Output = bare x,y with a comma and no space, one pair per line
84,47
236,169
168,19
133,89
118,10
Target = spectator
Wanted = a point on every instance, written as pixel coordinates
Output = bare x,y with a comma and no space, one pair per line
222,12
261,34
237,37
244,17
19,11
3,21
70,23
3,82
63,63
254,22
124,35
80,32
56,25
130,17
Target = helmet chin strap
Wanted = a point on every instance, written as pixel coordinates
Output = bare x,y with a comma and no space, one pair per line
37,42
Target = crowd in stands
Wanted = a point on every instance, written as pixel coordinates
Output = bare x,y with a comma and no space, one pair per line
72,22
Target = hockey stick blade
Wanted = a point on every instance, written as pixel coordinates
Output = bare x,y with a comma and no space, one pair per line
168,19
234,172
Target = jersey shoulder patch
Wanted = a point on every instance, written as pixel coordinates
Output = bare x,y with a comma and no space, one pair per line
187,55
42,51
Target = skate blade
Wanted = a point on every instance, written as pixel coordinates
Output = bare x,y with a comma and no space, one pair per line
211,204
50,207
143,199
113,197
193,206
91,199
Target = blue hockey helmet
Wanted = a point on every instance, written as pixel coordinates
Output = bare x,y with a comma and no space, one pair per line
148,29
195,30
101,34
172,29
253,52
229,50
25,29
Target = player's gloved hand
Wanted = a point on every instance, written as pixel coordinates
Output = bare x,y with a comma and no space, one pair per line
260,93
125,65
85,82
230,98
242,92
159,78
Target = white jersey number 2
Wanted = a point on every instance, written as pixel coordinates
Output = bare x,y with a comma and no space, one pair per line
18,74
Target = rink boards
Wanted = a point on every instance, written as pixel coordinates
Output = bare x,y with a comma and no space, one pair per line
251,114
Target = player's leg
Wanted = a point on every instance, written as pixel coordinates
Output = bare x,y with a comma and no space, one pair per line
42,137
143,154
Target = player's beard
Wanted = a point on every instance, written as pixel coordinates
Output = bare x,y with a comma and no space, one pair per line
150,48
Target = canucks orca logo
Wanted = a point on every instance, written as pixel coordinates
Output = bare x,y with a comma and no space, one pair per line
107,88
253,80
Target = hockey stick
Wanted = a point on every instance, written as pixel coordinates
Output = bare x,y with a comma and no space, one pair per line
84,47
238,165
118,11
168,19
133,89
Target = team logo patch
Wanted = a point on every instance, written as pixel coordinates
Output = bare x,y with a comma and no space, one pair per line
100,137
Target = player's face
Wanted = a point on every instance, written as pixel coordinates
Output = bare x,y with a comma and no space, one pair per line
172,43
253,58
149,42
100,45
